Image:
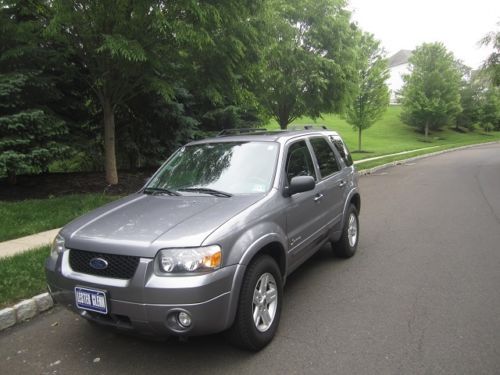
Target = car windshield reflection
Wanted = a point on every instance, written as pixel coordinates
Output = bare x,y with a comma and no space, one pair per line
220,169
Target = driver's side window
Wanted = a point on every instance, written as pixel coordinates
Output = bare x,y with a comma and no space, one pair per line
299,161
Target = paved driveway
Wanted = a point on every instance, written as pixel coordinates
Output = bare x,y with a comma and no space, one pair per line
422,296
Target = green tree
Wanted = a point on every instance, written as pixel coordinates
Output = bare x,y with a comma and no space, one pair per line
372,94
222,79
131,48
489,109
32,124
152,128
469,101
431,97
491,67
120,44
471,91
308,59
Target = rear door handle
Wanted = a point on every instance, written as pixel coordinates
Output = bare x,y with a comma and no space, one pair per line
318,197
342,183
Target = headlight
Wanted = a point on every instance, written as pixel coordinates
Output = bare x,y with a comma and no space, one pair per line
57,246
189,260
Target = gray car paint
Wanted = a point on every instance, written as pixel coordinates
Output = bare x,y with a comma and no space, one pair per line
142,224
242,225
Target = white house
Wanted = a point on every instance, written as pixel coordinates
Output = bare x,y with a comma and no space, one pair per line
398,65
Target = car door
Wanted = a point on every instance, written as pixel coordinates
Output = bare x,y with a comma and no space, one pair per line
332,183
348,171
303,209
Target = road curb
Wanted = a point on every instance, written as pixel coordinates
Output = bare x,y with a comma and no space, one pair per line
25,310
365,172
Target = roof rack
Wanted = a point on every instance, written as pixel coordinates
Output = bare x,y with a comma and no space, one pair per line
307,127
237,131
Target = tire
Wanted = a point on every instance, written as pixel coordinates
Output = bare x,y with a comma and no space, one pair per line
347,245
262,274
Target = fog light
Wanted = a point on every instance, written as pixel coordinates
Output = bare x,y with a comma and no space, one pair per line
184,319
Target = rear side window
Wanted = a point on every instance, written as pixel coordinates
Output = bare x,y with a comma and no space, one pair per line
326,157
299,161
342,149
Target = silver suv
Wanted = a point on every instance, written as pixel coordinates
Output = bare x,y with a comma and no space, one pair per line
207,244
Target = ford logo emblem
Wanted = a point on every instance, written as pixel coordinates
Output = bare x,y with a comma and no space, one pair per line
98,263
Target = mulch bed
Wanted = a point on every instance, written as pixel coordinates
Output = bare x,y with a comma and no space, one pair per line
57,184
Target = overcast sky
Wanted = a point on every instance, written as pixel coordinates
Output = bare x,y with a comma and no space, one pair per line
404,24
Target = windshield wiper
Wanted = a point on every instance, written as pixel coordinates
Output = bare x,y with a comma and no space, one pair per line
155,190
217,193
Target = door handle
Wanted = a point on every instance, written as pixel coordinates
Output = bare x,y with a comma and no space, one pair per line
318,197
342,183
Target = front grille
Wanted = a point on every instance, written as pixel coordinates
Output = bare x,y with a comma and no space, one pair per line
119,266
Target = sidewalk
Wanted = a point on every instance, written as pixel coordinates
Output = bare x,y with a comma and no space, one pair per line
396,154
19,245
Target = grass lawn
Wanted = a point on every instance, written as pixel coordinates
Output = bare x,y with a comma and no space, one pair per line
22,218
22,276
390,135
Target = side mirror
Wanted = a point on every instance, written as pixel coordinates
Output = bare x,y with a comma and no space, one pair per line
299,184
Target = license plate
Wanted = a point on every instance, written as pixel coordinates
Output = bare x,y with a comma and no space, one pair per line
91,299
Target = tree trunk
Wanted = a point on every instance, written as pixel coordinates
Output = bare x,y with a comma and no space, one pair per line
359,139
282,114
283,123
109,142
11,177
426,130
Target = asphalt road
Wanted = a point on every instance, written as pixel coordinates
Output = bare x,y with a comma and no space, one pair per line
422,296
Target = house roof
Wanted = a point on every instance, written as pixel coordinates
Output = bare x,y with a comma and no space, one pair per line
399,58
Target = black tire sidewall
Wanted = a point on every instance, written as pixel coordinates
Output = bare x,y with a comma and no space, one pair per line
252,338
343,248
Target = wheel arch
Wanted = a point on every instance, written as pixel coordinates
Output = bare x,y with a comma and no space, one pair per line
353,198
356,201
271,244
268,245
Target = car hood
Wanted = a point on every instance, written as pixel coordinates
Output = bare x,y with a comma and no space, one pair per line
142,224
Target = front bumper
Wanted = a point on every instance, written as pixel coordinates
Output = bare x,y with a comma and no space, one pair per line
148,303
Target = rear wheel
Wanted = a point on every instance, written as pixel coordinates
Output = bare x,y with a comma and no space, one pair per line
347,245
259,306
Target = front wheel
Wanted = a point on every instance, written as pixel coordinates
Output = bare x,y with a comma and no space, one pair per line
346,246
259,306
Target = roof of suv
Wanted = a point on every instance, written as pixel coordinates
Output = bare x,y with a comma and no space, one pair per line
263,135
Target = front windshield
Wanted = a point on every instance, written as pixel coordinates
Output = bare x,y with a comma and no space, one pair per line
230,167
